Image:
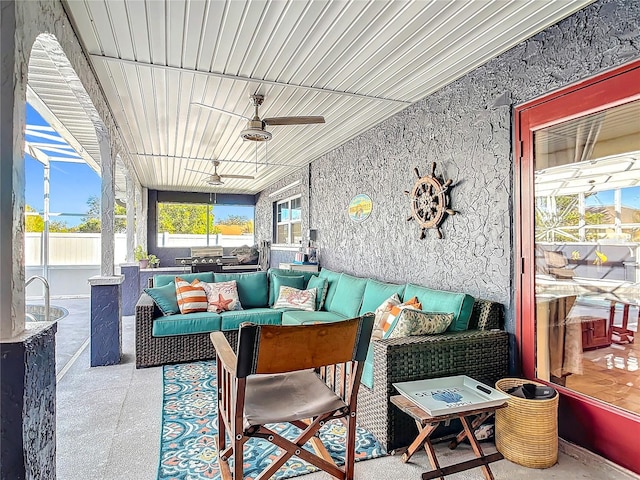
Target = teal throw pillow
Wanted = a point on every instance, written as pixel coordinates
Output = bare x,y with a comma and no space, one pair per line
322,285
416,322
277,281
165,298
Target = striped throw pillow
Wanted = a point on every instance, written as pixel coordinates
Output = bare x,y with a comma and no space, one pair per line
191,296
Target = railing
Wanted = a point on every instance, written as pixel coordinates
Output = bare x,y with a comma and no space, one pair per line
46,294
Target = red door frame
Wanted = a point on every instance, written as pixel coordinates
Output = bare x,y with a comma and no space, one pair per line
597,426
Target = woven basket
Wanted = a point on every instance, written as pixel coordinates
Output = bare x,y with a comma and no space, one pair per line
527,430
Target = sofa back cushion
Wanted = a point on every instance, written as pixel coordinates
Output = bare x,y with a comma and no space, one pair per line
277,281
377,292
162,280
332,279
439,301
348,295
252,287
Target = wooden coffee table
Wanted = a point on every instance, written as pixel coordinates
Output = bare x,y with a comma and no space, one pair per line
427,424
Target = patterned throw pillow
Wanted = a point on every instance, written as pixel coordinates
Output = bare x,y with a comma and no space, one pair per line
191,296
222,296
416,322
390,323
382,313
290,297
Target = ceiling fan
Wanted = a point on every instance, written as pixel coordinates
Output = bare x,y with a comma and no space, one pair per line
215,178
255,130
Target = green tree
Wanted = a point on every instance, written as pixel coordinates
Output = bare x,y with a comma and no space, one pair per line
551,225
33,223
91,222
185,218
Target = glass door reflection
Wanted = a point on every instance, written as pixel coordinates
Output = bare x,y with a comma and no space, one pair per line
587,245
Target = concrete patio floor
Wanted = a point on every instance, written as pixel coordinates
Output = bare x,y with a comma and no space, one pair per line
108,422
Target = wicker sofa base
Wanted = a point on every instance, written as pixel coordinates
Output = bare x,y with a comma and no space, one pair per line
480,354
153,351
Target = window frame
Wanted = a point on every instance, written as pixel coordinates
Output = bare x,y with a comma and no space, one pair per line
290,222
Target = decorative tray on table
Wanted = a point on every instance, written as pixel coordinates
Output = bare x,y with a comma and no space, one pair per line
440,396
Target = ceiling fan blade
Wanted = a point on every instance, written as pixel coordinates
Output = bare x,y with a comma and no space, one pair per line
293,120
197,171
248,177
233,114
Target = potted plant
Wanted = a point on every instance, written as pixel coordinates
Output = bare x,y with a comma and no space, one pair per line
154,261
141,256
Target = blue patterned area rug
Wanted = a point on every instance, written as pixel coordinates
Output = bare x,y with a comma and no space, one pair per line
188,449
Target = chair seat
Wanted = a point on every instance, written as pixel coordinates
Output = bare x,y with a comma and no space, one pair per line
286,397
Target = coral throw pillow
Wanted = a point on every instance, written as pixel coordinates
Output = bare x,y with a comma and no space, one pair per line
290,297
222,296
191,296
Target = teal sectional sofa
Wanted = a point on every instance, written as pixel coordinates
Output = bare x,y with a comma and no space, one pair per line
474,343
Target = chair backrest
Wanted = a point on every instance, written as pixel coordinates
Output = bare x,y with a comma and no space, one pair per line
287,348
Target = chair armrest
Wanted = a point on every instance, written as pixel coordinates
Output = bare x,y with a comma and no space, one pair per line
224,352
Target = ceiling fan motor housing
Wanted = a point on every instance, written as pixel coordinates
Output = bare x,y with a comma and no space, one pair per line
255,131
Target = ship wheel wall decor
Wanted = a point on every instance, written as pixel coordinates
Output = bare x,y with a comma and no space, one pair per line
429,201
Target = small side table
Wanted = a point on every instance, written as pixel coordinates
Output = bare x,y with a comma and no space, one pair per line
427,425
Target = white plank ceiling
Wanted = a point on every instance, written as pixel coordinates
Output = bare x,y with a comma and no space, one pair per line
354,62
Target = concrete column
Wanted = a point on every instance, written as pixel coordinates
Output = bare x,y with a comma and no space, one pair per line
106,320
141,216
131,215
13,80
107,203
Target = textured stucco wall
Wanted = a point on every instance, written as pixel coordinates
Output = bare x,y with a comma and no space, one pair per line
28,406
466,127
264,216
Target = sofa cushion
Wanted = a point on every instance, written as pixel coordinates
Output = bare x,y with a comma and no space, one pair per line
320,284
277,281
191,296
161,280
439,301
367,371
165,298
348,296
299,317
377,292
332,280
252,287
200,322
260,316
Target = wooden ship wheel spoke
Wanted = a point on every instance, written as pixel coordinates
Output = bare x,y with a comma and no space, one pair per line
429,201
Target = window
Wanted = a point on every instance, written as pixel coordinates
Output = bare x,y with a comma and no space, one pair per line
203,224
288,222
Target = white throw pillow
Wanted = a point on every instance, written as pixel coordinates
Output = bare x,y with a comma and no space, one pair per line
290,297
222,296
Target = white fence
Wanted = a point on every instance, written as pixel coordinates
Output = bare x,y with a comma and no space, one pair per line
75,257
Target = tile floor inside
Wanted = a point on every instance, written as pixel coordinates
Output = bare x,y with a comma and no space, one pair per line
109,418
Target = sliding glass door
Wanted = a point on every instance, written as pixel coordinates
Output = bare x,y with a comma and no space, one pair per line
579,293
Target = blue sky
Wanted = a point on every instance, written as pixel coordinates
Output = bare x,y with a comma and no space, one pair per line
72,184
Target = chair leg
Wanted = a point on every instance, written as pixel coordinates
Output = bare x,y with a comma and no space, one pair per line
350,452
238,459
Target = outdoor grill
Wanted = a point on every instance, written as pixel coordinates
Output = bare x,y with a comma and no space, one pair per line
212,259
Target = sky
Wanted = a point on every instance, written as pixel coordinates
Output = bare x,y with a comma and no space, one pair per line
72,184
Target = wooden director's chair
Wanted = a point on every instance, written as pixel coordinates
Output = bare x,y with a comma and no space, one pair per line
305,375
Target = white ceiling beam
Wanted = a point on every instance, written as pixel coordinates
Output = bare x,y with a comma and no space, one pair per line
36,102
246,79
